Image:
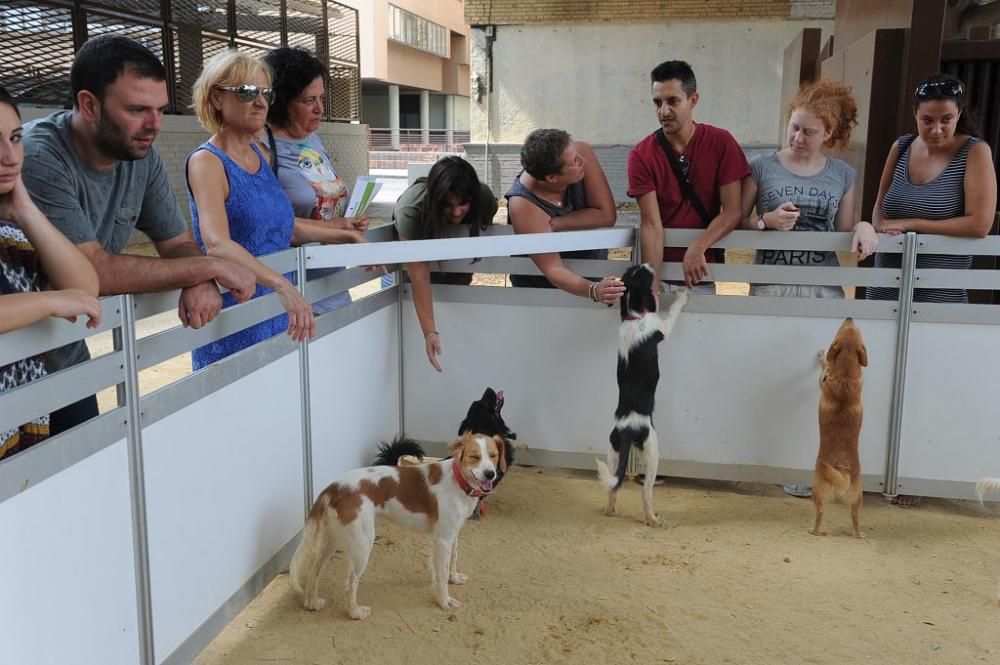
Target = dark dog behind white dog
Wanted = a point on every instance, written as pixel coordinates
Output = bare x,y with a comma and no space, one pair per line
640,333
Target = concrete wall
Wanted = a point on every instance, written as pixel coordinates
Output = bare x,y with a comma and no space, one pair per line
462,106
548,12
347,143
598,87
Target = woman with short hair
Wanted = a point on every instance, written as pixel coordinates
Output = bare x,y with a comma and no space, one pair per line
302,163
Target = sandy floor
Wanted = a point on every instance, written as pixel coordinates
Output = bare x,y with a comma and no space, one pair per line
732,577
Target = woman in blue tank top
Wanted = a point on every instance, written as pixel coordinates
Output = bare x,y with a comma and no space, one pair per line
238,209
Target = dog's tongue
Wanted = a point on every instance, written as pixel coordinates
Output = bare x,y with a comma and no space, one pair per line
486,485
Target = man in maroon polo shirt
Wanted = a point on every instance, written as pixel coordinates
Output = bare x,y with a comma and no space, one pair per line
710,159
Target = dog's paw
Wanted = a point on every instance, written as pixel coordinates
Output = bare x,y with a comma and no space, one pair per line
860,535
449,603
360,612
611,511
681,297
652,520
817,533
316,605
458,578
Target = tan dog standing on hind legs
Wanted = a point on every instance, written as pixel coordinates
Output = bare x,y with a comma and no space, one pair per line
435,497
838,464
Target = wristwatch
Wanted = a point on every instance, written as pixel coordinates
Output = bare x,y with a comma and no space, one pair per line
760,223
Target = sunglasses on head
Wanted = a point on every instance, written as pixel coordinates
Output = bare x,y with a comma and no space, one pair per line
937,89
249,92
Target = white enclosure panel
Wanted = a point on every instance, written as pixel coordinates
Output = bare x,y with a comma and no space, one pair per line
67,589
950,425
743,389
354,386
224,493
734,389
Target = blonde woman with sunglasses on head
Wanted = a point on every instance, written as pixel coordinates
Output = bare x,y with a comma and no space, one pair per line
238,209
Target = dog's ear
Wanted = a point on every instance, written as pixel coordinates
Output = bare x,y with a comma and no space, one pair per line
863,355
832,352
457,447
501,453
649,302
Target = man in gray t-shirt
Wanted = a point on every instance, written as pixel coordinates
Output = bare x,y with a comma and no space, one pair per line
93,171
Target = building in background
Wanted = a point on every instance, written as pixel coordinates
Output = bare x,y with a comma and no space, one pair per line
40,38
584,67
414,77
38,41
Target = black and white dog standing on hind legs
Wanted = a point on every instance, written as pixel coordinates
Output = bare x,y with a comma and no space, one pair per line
641,331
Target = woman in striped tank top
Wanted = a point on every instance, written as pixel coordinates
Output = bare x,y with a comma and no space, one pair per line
939,180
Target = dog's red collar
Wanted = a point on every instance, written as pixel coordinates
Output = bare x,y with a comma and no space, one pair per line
469,490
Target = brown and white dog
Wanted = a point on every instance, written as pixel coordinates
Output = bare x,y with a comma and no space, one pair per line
435,497
838,464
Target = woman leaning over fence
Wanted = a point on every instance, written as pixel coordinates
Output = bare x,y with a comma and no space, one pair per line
34,256
940,180
450,194
800,188
299,159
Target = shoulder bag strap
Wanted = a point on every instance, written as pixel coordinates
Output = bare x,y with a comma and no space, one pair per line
273,147
686,187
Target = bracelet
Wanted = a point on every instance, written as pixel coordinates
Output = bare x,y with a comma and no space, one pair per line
593,291
432,332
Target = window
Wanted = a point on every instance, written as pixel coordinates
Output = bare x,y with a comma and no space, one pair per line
412,30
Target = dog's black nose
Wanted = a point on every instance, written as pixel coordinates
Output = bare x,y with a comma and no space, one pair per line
490,474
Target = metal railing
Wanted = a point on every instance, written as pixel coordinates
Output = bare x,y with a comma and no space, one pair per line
380,138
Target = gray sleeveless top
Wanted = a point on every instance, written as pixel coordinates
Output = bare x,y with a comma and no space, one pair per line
817,198
575,199
941,198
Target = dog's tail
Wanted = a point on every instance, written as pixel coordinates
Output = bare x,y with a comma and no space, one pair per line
389,453
613,482
295,569
311,556
987,485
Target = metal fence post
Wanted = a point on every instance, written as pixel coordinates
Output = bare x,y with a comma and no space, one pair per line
304,394
903,319
137,484
399,345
